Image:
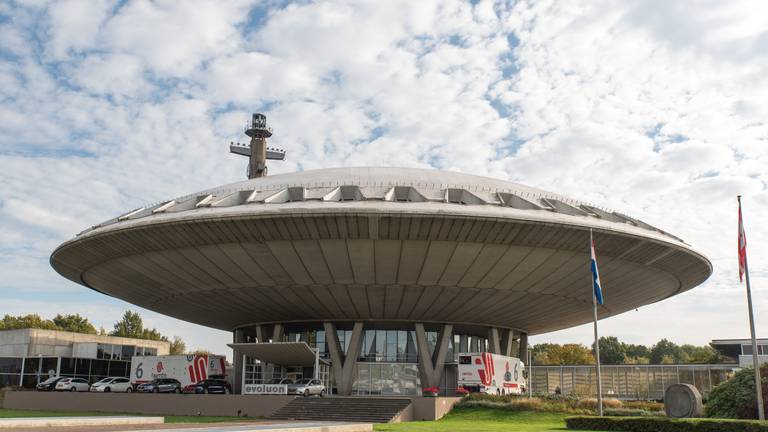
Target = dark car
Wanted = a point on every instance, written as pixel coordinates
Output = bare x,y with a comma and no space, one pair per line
160,385
210,386
49,384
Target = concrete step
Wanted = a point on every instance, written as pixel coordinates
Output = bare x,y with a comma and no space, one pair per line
376,410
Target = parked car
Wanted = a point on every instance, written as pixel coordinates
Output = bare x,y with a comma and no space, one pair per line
210,386
112,384
280,381
49,384
306,387
160,385
73,384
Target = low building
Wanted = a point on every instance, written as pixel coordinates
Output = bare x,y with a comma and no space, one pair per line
28,356
740,350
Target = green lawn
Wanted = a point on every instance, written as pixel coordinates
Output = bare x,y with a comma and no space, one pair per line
6,413
483,419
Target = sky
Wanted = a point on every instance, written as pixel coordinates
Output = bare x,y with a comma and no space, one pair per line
656,109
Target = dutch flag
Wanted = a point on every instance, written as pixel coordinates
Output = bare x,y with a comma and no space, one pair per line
595,273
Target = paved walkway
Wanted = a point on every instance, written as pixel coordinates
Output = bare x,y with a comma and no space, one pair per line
251,426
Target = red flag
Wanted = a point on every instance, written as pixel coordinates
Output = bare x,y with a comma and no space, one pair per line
742,246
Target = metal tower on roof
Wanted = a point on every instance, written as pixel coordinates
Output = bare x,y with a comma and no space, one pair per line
257,151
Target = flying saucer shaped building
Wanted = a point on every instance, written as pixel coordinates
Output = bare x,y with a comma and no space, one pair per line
395,267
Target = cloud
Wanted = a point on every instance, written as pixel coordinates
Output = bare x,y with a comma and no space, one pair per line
656,112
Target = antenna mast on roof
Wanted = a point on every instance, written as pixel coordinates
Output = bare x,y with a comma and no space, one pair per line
257,151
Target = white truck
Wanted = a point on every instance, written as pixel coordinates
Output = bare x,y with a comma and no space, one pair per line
188,368
491,373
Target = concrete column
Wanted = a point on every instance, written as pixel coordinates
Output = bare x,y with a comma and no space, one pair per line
277,333
494,344
237,337
463,343
431,365
343,363
474,344
261,334
523,350
507,342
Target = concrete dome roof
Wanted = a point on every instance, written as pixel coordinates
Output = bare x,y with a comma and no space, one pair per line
393,244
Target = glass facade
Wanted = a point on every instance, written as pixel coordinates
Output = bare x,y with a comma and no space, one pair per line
387,361
122,352
746,349
29,371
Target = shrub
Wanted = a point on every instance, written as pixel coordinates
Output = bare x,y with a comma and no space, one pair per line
644,405
591,403
663,424
631,412
736,397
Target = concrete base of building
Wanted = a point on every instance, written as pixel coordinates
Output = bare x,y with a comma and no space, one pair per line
47,422
421,408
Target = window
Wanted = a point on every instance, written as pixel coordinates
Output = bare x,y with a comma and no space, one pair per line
10,365
99,367
746,349
82,366
104,351
127,351
391,350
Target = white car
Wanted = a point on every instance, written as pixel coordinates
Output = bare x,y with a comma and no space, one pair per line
306,387
73,384
112,384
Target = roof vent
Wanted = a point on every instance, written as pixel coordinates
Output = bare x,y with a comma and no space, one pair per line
404,194
233,199
290,194
515,201
561,207
602,214
345,193
461,196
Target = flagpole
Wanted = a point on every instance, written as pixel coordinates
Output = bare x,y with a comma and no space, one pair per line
755,361
597,345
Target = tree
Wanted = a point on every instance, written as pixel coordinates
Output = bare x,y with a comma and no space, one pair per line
178,346
631,350
699,354
152,334
540,353
74,323
11,322
611,350
201,352
130,325
665,351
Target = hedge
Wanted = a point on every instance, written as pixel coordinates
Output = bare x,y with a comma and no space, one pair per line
663,424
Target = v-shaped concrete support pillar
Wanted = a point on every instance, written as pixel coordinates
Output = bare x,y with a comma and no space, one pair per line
508,343
431,364
343,363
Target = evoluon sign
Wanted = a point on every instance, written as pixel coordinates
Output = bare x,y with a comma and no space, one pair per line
268,389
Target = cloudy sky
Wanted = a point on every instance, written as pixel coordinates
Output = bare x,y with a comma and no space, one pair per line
654,108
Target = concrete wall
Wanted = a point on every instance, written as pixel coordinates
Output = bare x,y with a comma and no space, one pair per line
431,408
422,408
167,404
14,343
35,342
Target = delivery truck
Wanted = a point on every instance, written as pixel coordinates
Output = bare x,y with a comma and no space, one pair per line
490,373
188,368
